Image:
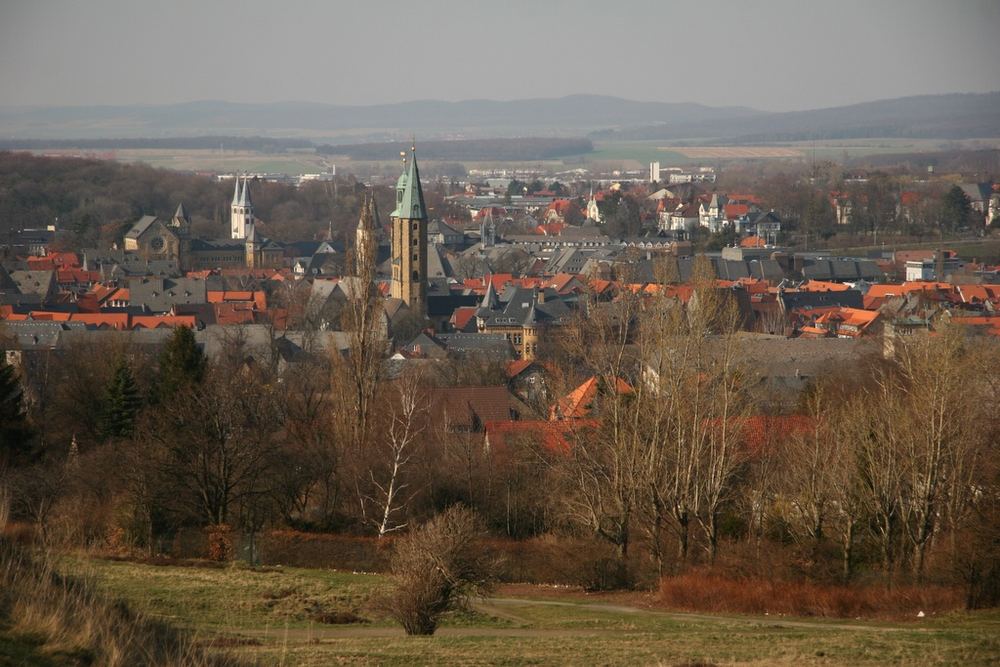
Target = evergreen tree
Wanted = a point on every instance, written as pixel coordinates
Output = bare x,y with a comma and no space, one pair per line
121,404
956,209
182,363
15,435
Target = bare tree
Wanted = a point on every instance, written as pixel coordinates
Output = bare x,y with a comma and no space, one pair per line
942,427
602,473
364,322
384,507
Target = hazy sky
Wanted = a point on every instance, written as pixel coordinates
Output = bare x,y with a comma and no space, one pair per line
775,55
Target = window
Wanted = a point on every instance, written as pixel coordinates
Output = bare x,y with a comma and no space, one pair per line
416,226
416,241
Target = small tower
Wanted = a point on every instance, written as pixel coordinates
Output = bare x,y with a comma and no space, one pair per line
409,240
366,235
181,224
593,212
241,211
529,333
252,246
487,231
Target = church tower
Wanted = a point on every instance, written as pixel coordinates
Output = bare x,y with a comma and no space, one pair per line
241,211
409,240
366,236
181,225
252,245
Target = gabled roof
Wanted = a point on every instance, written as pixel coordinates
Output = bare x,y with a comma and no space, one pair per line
556,437
138,228
579,402
462,317
469,408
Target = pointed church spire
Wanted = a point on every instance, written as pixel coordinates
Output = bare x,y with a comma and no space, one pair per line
490,297
181,214
245,194
531,318
368,219
236,191
411,203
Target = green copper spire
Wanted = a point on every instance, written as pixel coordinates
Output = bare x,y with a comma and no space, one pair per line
410,196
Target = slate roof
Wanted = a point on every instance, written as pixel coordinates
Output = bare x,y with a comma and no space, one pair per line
159,295
40,283
793,300
841,269
138,228
491,345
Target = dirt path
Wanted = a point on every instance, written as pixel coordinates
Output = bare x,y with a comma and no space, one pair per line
505,608
773,621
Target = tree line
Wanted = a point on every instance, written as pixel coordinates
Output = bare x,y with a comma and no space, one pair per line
886,469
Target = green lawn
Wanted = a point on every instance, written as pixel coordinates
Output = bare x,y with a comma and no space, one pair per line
271,615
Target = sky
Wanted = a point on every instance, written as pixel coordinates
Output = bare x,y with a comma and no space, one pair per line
776,55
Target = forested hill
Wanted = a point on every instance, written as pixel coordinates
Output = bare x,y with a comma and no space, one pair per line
955,116
95,201
563,116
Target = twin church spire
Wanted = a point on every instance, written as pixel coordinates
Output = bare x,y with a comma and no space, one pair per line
241,210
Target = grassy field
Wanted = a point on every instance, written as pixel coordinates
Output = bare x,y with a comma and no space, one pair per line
293,616
607,155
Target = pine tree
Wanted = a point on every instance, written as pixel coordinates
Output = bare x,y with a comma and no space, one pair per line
956,209
15,435
121,404
182,363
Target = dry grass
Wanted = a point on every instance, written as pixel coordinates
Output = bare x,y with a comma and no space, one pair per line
705,591
65,618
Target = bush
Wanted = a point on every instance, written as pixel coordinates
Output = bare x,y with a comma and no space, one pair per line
220,543
436,568
706,591
606,574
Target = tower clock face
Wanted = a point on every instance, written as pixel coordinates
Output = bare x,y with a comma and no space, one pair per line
157,243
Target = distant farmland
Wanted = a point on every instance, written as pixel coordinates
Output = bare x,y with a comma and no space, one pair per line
734,152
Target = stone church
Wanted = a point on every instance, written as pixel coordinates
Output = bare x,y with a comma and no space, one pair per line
155,239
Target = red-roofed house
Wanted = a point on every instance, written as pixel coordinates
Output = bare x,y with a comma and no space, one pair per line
578,403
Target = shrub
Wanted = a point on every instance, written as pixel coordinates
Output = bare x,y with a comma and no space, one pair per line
706,591
220,543
436,568
606,574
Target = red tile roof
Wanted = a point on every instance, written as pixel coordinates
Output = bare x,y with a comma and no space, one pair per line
733,211
462,315
579,402
555,436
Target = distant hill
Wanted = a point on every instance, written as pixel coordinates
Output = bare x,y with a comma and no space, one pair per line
564,116
952,116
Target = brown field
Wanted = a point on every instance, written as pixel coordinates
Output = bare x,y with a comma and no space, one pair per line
733,152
